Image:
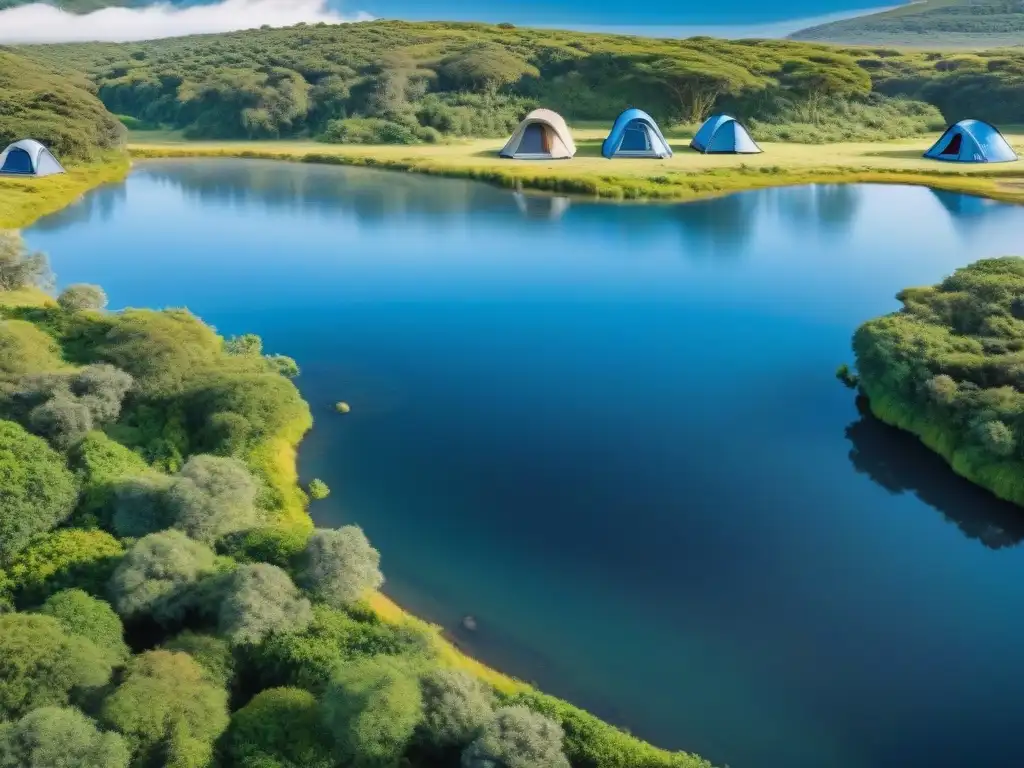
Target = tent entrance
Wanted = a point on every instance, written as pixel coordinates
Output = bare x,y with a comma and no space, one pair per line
953,148
535,141
18,161
635,139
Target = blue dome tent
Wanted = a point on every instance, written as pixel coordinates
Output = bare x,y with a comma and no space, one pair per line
972,141
635,134
723,134
28,158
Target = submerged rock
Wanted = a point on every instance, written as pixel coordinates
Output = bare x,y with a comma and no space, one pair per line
468,622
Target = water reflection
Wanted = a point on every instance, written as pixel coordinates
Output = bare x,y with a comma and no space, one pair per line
98,205
900,463
967,212
372,197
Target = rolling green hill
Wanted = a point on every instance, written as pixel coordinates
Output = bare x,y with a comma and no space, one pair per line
946,23
402,83
57,108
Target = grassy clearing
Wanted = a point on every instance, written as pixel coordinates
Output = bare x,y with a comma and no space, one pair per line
24,200
686,176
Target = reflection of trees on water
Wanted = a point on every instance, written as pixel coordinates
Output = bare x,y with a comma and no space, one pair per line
723,222
826,208
900,463
373,197
98,205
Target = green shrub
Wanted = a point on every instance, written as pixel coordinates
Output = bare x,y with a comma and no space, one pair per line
282,725
85,616
212,654
367,130
42,665
64,559
59,736
318,489
37,491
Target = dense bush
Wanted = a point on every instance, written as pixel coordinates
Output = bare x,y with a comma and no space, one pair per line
42,665
85,616
76,298
167,710
258,601
340,566
372,707
456,707
59,737
158,576
947,367
281,727
65,559
19,267
517,736
37,491
211,653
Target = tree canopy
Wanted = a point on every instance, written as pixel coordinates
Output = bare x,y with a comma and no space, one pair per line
340,566
49,737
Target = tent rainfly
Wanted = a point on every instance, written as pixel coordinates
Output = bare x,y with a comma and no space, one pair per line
543,135
724,134
28,158
972,141
635,134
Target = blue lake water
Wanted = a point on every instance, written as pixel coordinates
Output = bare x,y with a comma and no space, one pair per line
613,435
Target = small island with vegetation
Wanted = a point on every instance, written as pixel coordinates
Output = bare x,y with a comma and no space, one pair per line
949,367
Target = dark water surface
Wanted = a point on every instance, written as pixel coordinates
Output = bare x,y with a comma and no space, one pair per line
613,435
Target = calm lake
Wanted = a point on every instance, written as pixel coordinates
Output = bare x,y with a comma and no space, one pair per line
613,435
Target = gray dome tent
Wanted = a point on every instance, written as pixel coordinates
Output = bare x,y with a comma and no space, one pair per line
543,135
28,158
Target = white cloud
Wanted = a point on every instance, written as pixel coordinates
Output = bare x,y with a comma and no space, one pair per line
38,23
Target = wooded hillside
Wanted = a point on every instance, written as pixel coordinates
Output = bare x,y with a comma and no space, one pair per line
57,109
402,82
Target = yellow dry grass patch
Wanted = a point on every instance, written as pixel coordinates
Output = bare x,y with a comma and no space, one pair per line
24,200
449,656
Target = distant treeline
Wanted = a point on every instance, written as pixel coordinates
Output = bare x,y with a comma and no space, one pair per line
403,82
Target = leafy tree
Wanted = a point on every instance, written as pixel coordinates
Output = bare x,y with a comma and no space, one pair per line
281,726
140,505
76,298
247,344
212,654
103,466
19,267
519,738
37,491
309,658
318,489
158,574
261,599
40,664
212,496
372,707
484,68
59,737
85,616
997,438
456,707
339,566
101,388
167,710
25,349
63,559
62,419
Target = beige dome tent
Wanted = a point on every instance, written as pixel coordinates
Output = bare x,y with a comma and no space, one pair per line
543,135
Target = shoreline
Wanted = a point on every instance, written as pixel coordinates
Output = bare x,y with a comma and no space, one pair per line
1004,184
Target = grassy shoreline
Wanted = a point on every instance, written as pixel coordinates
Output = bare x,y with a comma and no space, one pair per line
23,201
686,176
